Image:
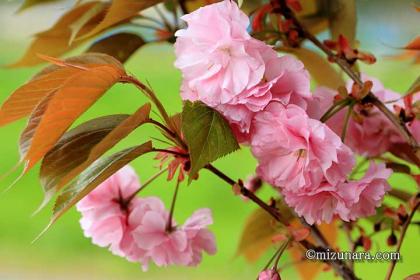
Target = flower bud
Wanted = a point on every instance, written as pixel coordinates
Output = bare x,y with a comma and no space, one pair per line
392,239
269,274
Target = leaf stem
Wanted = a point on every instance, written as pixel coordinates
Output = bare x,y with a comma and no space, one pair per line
334,109
346,123
169,226
144,185
401,239
152,96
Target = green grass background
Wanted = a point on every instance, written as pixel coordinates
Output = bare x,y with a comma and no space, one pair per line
63,252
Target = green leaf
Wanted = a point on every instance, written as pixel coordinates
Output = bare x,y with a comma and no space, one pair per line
121,45
97,173
415,87
207,134
83,145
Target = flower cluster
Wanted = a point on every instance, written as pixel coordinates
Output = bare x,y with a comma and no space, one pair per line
227,69
136,228
267,101
309,164
369,132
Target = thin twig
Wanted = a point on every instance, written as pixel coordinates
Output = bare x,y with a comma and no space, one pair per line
340,267
163,18
345,66
400,240
169,226
334,109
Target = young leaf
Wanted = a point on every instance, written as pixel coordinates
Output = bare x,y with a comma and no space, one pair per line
23,100
78,24
121,45
55,41
25,139
321,70
415,276
413,45
308,269
29,3
415,87
207,134
120,11
260,228
98,172
73,98
83,145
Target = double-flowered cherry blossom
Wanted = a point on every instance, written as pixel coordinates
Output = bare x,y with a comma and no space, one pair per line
366,194
369,132
310,165
227,69
296,152
105,210
137,228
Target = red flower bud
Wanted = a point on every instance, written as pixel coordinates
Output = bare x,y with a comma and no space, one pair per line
392,239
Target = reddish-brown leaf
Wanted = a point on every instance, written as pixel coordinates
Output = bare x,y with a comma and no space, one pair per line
308,269
72,98
98,172
83,145
120,11
260,228
121,45
55,41
23,100
414,44
29,131
415,276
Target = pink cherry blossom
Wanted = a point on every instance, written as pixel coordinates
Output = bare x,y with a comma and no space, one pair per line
364,195
105,211
150,234
269,274
348,199
232,72
213,53
199,237
319,204
294,151
414,128
182,245
369,132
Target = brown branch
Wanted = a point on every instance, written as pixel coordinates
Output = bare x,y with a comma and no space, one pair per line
345,66
400,240
339,266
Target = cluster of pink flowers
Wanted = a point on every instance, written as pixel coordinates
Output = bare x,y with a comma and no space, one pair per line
136,228
266,99
369,132
310,165
227,69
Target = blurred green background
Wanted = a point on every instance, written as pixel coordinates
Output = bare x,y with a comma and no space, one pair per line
63,252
